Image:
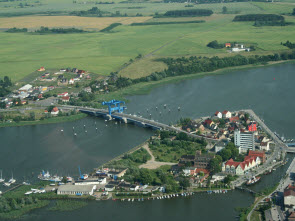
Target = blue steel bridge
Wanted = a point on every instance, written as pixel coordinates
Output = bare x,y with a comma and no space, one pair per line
116,113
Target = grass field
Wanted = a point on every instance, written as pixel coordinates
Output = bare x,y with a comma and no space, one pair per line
85,23
101,53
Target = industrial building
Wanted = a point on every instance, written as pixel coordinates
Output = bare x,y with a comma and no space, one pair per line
76,189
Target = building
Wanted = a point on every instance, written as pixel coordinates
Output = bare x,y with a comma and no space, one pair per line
239,168
64,94
134,187
226,114
25,88
98,181
65,99
217,177
259,154
186,160
208,123
219,146
234,119
227,45
218,114
202,160
54,111
41,69
109,187
289,196
244,140
264,146
76,189
252,127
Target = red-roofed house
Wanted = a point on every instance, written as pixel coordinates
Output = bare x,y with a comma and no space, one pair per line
227,45
54,111
65,99
226,114
259,154
234,119
218,114
208,123
252,127
239,168
41,69
63,94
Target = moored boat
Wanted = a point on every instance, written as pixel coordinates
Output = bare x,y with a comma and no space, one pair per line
253,180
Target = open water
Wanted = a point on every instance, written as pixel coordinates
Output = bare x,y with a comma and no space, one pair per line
25,151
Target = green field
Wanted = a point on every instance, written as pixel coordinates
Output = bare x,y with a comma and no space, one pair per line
101,53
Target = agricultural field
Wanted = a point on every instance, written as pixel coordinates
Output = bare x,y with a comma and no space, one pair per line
101,53
85,23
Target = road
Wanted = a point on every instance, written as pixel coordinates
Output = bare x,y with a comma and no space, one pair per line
152,163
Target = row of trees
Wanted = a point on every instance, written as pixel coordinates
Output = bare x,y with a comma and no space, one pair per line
17,30
46,30
110,27
194,64
259,17
289,44
189,13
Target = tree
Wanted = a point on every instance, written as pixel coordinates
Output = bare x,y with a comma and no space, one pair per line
184,182
2,105
214,165
293,13
182,136
224,10
32,116
225,154
164,134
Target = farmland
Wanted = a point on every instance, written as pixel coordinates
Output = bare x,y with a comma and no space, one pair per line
102,53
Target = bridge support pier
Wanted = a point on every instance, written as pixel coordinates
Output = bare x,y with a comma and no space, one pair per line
124,120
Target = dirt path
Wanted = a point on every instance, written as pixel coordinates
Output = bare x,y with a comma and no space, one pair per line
152,164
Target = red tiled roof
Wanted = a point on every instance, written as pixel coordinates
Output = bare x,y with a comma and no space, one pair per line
216,113
65,98
54,109
289,192
224,112
208,121
236,118
203,170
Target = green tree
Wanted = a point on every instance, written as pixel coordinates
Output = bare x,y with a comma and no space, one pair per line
32,116
215,165
225,154
293,13
224,10
164,134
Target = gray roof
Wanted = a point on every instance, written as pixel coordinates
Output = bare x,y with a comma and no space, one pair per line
76,188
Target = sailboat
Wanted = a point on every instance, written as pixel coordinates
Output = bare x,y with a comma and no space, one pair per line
1,179
12,180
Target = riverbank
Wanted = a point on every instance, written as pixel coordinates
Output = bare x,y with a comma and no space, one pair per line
145,87
52,120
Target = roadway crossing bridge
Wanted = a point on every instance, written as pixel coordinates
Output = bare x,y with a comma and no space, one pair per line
128,118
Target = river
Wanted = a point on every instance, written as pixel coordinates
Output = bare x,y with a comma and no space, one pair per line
27,150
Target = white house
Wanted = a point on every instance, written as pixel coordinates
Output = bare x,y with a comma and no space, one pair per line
218,114
226,114
54,111
134,187
71,81
264,146
109,187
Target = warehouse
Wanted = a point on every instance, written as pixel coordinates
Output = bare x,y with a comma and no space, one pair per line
76,189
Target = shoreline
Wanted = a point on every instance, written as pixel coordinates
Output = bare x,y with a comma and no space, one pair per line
52,120
145,87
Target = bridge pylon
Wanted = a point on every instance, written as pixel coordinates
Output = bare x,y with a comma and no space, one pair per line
115,105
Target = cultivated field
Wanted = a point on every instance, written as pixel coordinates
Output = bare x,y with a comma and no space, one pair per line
102,53
86,23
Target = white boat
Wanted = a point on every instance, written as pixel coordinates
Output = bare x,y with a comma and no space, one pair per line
44,176
25,183
0,192
12,180
1,179
28,193
69,179
6,184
